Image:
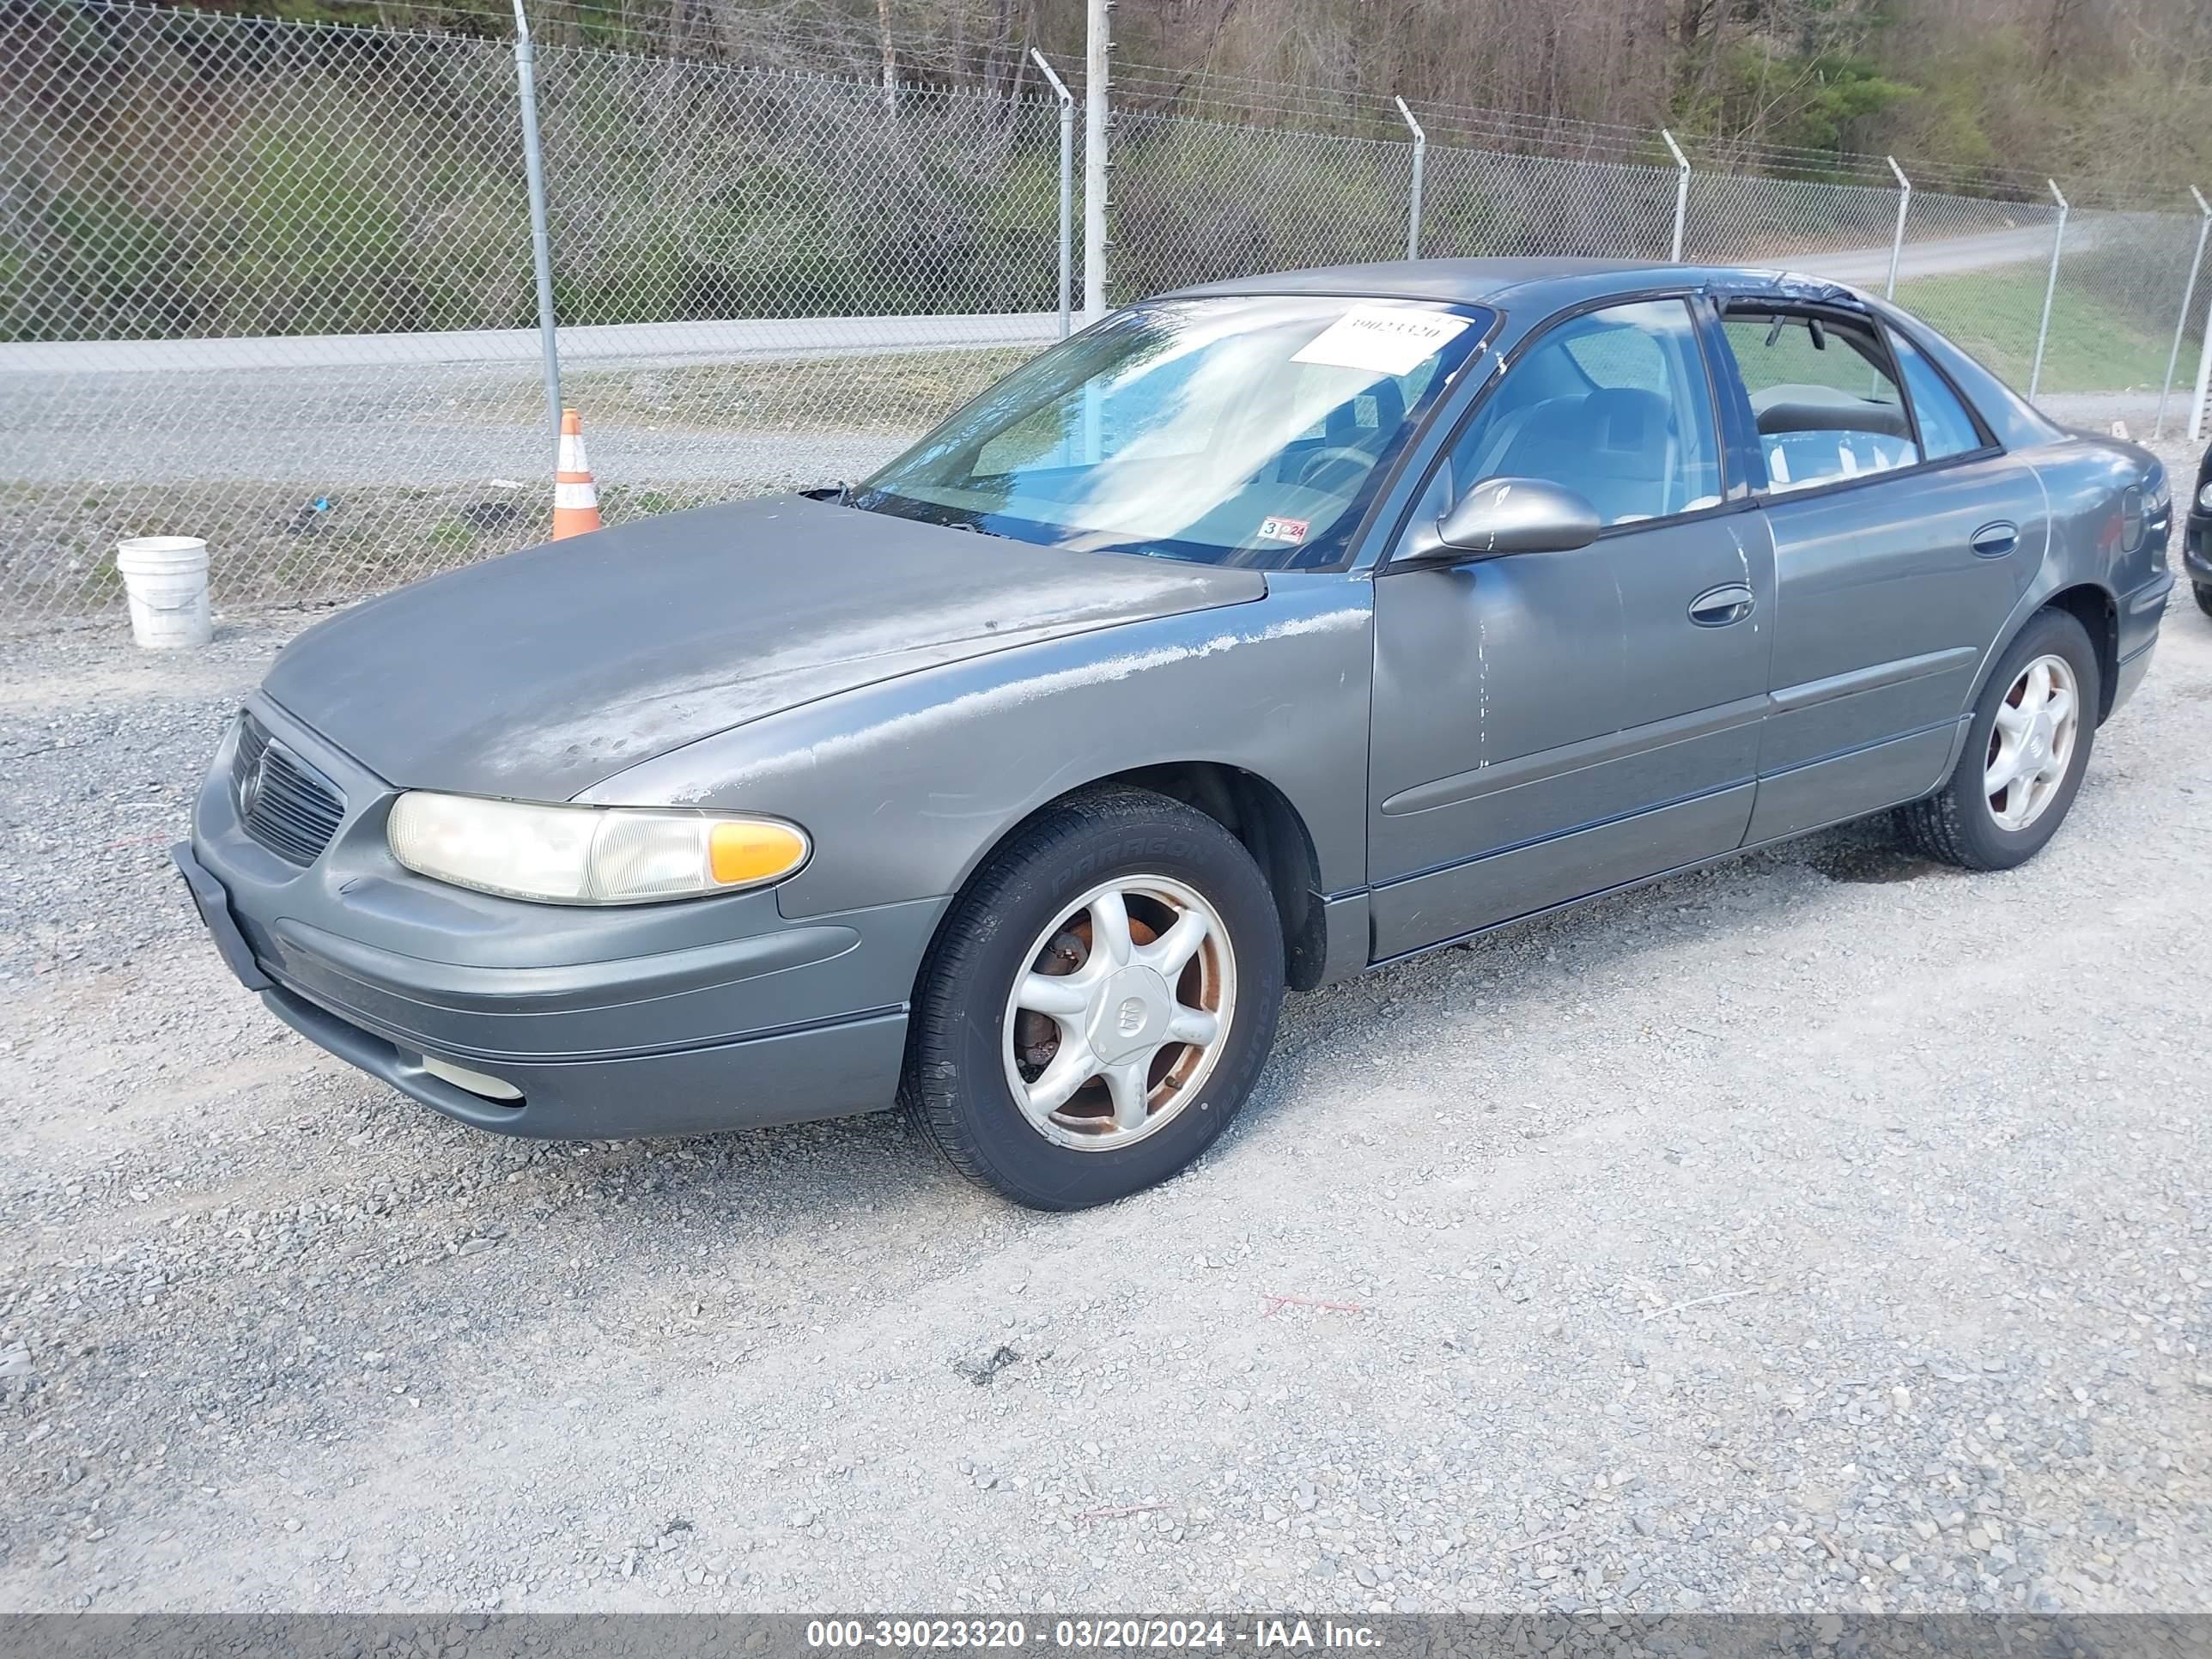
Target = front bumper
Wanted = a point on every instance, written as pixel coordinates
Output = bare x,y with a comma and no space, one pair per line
644,1020
2197,549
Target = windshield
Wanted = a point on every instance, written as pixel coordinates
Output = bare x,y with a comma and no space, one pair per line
1246,429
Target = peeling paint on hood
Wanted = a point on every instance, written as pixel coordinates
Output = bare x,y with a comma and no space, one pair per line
538,675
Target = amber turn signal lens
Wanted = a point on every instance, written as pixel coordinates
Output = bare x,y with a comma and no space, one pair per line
752,851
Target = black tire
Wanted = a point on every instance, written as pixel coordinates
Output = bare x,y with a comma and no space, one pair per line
1957,824
954,1088
2204,596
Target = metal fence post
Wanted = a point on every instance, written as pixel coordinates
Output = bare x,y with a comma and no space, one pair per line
1066,183
2181,323
541,239
1897,241
2050,290
1420,157
2196,410
1098,44
1681,192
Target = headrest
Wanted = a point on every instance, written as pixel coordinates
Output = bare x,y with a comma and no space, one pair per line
1851,416
1627,417
1345,425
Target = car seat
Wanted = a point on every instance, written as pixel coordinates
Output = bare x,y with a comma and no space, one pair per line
1615,446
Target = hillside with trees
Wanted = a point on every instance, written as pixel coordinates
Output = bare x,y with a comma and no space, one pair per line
2115,96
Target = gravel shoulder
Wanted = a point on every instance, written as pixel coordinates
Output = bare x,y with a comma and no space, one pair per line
1823,1232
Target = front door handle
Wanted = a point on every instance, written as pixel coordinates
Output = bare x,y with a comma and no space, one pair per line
1717,607
1994,541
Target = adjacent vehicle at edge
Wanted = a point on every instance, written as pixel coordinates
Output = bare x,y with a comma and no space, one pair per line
2197,540
1259,634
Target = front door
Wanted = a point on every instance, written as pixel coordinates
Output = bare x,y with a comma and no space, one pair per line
1550,725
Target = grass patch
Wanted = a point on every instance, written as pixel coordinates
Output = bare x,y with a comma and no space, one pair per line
895,392
265,546
2094,346
265,542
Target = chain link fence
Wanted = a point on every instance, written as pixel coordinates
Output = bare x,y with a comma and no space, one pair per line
1476,202
229,253
1979,270
1202,201
2121,276
778,280
272,284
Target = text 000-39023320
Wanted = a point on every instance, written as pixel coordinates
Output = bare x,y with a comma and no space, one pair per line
1098,1633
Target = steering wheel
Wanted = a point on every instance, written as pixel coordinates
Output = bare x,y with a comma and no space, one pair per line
1353,462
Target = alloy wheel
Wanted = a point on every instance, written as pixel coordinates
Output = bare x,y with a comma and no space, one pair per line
1121,1012
2032,744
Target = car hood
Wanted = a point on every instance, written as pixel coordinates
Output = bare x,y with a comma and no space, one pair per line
540,674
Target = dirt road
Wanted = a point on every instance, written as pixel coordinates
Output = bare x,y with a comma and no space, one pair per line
1825,1231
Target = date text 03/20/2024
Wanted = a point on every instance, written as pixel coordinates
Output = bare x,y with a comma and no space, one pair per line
1102,1634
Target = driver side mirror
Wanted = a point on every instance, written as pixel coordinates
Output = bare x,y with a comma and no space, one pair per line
1500,516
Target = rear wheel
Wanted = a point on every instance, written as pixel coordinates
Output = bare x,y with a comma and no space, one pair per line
2025,753
1099,1003
2204,596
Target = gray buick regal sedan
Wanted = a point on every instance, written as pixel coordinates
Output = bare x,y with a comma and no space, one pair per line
1262,633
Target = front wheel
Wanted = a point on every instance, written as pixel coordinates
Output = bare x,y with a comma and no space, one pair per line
1099,1002
2204,596
2025,754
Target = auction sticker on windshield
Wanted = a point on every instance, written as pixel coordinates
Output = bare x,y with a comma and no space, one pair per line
1384,339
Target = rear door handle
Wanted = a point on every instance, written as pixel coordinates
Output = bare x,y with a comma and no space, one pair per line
1994,541
1716,607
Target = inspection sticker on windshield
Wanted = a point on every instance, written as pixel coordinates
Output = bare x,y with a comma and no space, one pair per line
1385,339
1282,530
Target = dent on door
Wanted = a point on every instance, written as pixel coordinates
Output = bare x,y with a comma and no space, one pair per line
1551,725
1487,678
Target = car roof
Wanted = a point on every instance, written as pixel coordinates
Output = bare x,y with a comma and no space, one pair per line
1539,282
1538,288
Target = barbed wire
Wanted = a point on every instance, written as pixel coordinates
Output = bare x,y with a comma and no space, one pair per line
1476,123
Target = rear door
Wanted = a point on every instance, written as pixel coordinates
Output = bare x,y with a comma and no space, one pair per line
1549,725
1902,536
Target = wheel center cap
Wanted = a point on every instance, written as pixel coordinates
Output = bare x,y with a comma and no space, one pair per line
1129,1014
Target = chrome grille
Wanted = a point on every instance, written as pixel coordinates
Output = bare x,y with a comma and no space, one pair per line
284,804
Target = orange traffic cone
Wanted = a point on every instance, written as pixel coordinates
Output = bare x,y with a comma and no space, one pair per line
575,497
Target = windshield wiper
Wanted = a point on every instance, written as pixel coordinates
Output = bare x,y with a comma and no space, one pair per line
905,506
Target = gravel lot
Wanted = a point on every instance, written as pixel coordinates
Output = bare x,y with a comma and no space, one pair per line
1823,1231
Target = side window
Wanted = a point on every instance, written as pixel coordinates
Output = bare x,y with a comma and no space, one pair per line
1945,427
1827,405
1614,404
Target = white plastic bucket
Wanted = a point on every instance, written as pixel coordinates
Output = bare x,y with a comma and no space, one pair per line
166,580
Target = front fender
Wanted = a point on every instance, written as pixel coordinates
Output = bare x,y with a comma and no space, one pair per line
907,785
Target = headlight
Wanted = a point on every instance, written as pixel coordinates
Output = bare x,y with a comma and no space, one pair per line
589,854
2204,498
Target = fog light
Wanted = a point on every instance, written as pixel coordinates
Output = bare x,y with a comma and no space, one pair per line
476,1083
